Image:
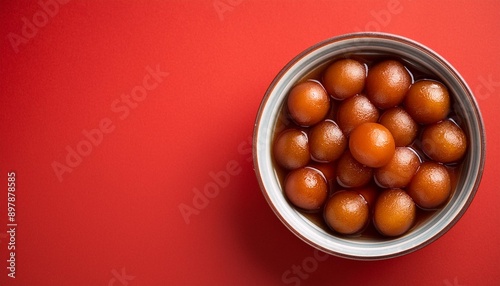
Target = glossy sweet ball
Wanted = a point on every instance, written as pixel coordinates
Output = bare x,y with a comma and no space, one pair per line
444,142
427,101
387,83
346,212
351,173
308,103
344,78
394,213
306,188
369,193
291,149
400,169
355,111
431,185
372,144
402,126
326,141
327,169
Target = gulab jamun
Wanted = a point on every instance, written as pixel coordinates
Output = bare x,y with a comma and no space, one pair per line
370,194
372,144
291,149
387,83
308,103
306,188
328,169
354,111
402,126
351,173
344,78
362,145
427,101
430,187
394,213
400,169
346,212
444,141
326,141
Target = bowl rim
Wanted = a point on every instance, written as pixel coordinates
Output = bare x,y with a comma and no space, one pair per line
370,36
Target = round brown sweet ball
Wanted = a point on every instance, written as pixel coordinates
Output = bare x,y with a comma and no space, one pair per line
351,173
387,83
400,169
427,101
326,141
354,111
308,103
394,213
344,78
306,188
430,187
346,212
327,169
372,144
444,141
402,126
291,149
369,193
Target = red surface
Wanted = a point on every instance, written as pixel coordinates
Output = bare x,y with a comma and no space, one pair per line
116,218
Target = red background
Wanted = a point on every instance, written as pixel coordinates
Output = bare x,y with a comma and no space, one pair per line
116,218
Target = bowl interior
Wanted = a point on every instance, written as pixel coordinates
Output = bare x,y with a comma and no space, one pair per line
413,55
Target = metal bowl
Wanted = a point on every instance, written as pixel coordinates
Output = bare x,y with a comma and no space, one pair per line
415,55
